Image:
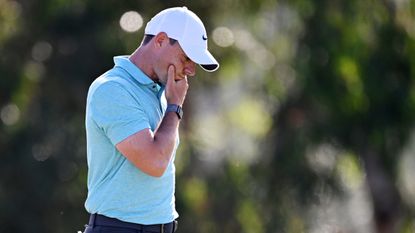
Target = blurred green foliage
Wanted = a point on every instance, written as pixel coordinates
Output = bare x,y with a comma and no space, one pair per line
306,127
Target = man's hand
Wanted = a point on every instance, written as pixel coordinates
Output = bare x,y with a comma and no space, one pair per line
175,90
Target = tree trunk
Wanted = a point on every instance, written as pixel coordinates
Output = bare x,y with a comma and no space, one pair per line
387,208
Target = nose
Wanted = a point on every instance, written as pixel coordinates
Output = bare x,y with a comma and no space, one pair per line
190,68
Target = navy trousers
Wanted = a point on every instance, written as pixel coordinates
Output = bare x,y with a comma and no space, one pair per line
102,224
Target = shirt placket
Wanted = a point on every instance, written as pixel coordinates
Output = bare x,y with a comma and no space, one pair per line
158,90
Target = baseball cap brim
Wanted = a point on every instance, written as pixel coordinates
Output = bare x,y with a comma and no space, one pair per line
201,56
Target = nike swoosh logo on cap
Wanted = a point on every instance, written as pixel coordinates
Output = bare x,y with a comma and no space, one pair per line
204,37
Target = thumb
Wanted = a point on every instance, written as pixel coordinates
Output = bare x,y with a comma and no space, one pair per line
170,85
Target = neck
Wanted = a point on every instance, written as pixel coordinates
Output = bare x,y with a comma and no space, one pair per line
143,60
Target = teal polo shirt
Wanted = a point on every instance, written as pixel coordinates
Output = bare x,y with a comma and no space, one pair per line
120,103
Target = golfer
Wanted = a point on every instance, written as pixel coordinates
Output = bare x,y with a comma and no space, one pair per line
133,113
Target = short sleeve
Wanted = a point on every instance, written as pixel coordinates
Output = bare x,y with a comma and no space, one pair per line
117,112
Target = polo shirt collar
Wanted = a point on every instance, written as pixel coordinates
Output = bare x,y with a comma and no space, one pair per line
125,63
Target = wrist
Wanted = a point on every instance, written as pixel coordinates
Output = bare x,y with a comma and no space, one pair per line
176,109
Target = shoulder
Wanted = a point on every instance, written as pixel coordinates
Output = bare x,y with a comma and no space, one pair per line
111,81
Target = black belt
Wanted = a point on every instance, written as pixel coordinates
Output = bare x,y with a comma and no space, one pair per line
101,220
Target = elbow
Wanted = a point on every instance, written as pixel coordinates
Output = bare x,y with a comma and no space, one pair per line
156,169
157,173
153,163
151,169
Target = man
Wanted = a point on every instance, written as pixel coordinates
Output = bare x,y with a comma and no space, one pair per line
132,118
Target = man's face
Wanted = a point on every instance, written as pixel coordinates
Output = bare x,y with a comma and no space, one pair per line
173,55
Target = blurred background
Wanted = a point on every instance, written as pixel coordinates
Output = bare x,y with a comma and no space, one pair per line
308,125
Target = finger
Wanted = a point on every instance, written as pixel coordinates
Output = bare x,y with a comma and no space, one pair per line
185,81
171,74
183,84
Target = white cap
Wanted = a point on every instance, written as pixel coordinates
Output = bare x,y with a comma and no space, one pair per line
183,25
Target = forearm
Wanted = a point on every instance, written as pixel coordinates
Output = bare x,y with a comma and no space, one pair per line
151,152
165,138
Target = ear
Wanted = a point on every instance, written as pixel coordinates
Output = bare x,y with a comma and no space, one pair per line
160,38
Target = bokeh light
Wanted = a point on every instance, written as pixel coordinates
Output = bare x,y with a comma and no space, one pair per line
223,37
42,51
131,21
34,71
10,114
